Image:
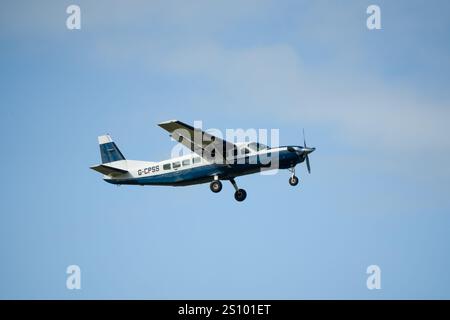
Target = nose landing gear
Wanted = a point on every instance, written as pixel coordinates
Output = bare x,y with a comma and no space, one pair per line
293,180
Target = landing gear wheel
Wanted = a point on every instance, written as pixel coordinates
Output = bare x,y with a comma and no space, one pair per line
293,181
215,186
240,195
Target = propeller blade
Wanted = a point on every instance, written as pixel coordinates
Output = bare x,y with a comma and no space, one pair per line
304,138
307,164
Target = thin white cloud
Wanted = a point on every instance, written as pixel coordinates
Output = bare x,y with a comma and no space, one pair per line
272,79
275,78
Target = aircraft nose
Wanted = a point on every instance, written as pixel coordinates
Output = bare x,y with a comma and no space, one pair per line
301,150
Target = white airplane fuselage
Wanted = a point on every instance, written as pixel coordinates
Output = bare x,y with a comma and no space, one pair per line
192,169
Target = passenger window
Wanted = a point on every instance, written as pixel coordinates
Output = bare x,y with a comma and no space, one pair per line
176,165
246,151
196,160
166,166
186,162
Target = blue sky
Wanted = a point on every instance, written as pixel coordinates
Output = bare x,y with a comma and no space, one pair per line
374,103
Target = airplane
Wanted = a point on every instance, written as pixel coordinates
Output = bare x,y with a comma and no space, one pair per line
212,160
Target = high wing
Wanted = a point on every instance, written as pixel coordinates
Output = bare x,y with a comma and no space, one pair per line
206,145
108,170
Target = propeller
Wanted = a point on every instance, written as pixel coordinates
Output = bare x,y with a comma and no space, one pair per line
303,151
307,151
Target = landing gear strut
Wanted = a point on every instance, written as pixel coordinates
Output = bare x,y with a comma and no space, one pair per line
293,180
240,194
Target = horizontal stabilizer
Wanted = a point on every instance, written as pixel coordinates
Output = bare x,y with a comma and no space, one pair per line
108,170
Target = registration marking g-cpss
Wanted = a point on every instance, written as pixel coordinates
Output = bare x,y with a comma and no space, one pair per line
148,170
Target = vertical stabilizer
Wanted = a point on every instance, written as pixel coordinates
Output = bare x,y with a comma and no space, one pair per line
109,150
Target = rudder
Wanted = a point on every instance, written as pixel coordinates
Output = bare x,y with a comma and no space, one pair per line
108,150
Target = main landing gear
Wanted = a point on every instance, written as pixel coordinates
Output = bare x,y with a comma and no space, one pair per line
240,194
293,180
216,186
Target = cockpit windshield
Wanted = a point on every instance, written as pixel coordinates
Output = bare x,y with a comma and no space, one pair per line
257,146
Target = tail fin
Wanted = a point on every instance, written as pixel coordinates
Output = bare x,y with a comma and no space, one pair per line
109,150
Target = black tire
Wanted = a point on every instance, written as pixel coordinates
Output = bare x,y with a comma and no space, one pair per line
215,186
293,181
240,195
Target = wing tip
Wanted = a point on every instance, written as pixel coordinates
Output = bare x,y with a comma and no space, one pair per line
167,122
